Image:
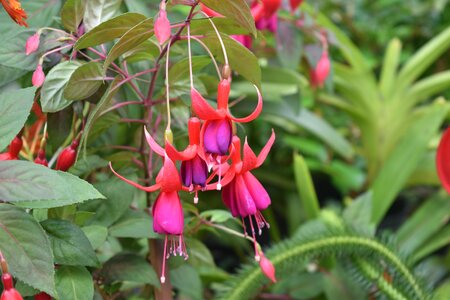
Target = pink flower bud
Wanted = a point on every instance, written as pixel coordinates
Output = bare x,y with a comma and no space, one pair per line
67,157
38,76
41,159
9,292
267,268
320,73
32,44
162,27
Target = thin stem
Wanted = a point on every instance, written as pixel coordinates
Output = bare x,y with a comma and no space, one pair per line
191,77
210,54
119,105
225,56
168,86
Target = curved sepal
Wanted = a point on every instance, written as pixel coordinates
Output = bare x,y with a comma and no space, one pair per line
153,144
170,178
254,114
250,160
265,151
202,108
147,189
187,154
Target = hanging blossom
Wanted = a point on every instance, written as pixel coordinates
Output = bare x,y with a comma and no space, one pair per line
162,24
15,11
319,74
242,193
167,211
443,160
13,151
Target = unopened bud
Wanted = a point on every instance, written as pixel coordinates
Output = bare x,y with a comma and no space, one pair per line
32,43
9,292
15,147
38,76
267,267
162,25
41,159
67,157
42,296
226,72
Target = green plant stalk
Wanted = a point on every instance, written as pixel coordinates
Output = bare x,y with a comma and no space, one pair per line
243,287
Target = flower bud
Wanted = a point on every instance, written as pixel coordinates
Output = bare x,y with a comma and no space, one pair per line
32,43
267,268
15,147
67,157
320,73
162,26
38,76
9,292
41,159
42,296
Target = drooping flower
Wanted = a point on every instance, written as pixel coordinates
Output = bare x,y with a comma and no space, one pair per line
443,160
194,171
67,157
268,23
242,193
32,43
319,74
167,211
38,76
15,11
217,130
264,8
294,4
245,40
13,151
162,25
267,267
9,292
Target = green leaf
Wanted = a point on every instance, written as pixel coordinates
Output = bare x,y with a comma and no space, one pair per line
217,215
98,11
420,227
109,30
442,292
224,25
15,107
72,14
133,224
119,196
34,186
358,213
96,235
74,283
186,279
26,248
52,92
241,59
69,243
12,50
237,10
84,82
390,65
405,157
179,71
305,187
434,243
129,267
199,254
131,39
101,106
289,45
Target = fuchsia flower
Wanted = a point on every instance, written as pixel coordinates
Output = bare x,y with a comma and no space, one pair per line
269,23
167,211
9,292
14,148
245,40
194,171
217,130
319,74
242,193
264,8
32,43
38,76
443,160
41,159
162,25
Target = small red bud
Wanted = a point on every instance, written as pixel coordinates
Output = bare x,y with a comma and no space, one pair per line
320,73
162,26
9,292
38,76
15,147
32,44
267,268
67,157
42,296
41,159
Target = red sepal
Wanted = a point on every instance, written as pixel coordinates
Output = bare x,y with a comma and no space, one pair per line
202,108
254,114
153,144
148,189
265,150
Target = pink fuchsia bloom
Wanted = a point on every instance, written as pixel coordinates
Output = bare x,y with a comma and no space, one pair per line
269,23
294,4
245,40
267,267
443,160
9,292
319,74
217,130
243,194
162,25
38,76
167,211
32,44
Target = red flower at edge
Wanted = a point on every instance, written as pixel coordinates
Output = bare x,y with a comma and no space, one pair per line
443,160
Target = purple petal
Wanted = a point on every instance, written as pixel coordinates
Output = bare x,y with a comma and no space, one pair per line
186,172
210,137
224,136
199,171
